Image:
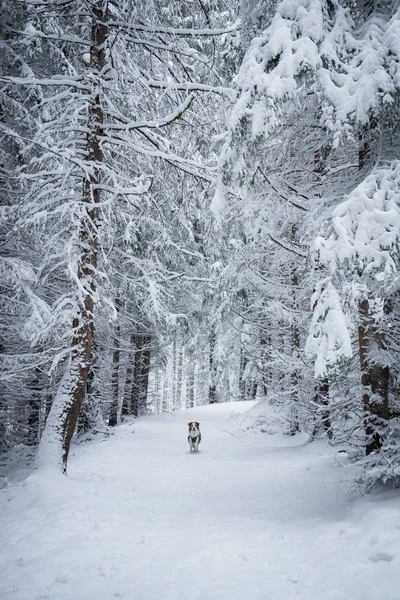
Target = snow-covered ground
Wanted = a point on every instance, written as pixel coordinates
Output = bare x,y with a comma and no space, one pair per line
251,517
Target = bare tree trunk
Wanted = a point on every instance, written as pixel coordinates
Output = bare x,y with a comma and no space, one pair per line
113,421
212,386
137,368
36,388
65,409
127,399
295,334
265,341
179,378
158,390
90,416
174,370
253,389
374,381
190,399
322,398
164,404
141,374
144,374
242,367
3,425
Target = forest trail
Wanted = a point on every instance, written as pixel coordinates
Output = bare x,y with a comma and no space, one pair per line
251,517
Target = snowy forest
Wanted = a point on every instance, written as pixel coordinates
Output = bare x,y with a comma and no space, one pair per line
200,221
200,205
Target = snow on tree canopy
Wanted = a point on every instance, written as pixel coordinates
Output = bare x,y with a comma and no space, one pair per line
361,67
361,255
275,60
366,229
329,340
353,69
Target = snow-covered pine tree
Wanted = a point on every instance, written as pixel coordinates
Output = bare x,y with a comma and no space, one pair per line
359,248
312,88
269,164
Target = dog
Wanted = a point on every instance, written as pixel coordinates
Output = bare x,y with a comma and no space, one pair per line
194,437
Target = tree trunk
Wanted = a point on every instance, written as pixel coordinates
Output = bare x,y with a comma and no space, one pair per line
295,335
179,378
141,373
174,372
165,396
322,398
322,391
265,341
374,381
374,377
91,417
242,367
212,386
157,391
253,390
190,400
113,421
127,400
137,369
36,386
144,374
65,410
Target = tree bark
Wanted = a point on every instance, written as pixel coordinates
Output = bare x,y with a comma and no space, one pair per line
179,378
90,416
190,399
242,367
374,381
265,341
322,398
113,421
295,335
212,386
127,399
174,372
137,368
253,389
144,374
35,386
141,373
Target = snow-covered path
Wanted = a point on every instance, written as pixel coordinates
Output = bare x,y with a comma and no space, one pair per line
248,518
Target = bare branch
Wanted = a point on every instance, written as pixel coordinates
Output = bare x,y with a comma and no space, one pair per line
230,93
167,120
177,32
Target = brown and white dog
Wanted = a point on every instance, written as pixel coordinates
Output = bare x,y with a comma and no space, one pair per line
194,437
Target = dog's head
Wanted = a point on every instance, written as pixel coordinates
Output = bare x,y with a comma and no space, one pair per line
194,426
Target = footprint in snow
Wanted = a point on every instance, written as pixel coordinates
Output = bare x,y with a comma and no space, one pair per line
381,556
